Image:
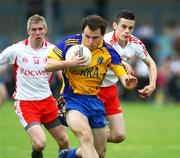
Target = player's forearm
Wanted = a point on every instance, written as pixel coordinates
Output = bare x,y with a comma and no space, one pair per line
128,68
123,80
152,74
55,65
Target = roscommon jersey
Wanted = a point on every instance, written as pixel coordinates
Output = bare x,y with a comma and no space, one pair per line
87,80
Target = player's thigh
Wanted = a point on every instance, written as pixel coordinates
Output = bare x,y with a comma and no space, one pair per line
100,139
78,122
58,132
37,134
116,123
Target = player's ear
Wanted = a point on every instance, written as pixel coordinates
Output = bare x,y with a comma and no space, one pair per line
28,31
46,31
114,26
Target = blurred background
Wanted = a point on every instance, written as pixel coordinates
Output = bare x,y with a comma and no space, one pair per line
157,25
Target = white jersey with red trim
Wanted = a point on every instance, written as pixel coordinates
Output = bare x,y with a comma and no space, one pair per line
32,81
133,49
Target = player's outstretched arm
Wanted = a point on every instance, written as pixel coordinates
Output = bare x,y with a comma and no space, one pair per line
148,90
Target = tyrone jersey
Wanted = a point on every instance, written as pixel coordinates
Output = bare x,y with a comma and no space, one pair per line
32,81
133,49
87,80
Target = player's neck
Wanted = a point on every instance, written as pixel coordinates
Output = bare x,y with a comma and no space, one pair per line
36,44
122,43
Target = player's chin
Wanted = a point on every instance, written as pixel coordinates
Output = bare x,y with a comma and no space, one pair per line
125,38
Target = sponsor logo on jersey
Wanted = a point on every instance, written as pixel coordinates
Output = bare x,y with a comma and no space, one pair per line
33,73
90,72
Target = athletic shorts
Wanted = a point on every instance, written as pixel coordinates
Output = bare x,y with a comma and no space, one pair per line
90,106
36,112
109,96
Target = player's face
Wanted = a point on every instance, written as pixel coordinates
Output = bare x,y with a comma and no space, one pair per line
123,29
92,39
37,32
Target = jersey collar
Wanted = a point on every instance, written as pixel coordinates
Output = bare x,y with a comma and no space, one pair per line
114,40
27,43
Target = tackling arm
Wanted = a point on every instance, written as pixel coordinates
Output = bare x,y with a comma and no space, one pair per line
148,90
128,81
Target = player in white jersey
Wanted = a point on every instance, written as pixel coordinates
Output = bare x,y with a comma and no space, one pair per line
34,103
129,47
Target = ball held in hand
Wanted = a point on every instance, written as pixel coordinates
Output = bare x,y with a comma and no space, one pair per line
79,50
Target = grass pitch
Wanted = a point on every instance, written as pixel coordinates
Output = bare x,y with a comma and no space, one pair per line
153,131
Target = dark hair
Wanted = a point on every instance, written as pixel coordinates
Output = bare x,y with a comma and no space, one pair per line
126,14
94,22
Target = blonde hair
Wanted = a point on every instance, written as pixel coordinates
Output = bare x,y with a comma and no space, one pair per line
36,19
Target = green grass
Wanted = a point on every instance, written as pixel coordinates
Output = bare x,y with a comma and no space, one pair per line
153,131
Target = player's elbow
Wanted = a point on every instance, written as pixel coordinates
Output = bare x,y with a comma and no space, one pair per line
47,67
50,66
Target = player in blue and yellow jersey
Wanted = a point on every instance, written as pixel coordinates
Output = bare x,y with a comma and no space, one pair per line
85,114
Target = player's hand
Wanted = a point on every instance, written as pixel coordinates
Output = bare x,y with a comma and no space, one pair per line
77,61
131,82
146,91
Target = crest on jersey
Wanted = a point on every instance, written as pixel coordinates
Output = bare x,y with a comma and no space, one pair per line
100,60
25,60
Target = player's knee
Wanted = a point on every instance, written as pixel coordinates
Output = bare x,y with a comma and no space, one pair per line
64,142
39,144
85,136
118,138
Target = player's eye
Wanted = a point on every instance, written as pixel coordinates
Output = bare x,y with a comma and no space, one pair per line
87,36
40,29
131,28
124,26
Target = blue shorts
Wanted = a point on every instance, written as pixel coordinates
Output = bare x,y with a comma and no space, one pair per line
90,106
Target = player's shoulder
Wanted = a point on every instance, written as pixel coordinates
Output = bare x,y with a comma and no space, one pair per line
108,36
72,39
69,41
137,45
14,48
22,43
108,46
49,44
135,42
110,49
18,45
